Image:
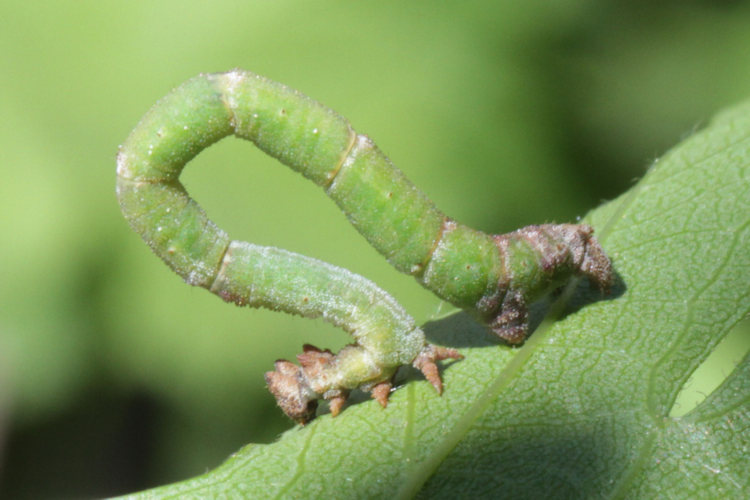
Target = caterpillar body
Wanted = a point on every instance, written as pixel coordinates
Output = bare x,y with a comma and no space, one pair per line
494,277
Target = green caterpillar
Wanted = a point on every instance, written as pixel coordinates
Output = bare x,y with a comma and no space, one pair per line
494,277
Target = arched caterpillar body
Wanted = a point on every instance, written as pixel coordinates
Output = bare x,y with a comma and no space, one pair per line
493,277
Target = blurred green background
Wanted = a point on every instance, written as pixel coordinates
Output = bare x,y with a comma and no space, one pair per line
114,375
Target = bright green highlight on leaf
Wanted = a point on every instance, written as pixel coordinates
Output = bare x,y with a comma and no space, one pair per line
582,409
714,369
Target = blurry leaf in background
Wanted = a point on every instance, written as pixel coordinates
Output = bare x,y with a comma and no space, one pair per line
503,113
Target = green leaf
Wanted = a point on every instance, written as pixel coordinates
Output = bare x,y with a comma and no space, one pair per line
583,408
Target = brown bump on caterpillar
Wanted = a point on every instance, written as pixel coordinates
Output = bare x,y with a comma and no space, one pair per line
313,359
426,363
576,245
336,403
512,322
563,250
288,385
596,266
381,391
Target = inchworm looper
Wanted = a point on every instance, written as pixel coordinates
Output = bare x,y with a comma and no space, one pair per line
494,277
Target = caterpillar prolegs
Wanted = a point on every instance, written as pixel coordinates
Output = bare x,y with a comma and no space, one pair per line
494,277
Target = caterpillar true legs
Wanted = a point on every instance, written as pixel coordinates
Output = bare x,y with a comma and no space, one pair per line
493,277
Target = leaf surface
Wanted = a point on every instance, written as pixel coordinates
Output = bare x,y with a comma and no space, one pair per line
582,409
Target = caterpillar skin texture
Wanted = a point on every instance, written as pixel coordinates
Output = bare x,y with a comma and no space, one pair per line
494,277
